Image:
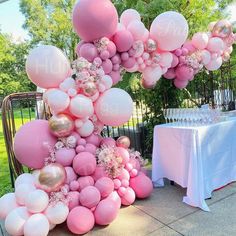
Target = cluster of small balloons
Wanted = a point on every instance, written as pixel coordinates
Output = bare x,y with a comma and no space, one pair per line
205,50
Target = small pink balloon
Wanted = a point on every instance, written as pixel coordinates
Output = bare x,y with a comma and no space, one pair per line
106,212
116,59
129,197
94,139
184,72
97,61
116,67
170,74
125,183
117,183
128,166
80,148
80,220
90,197
85,182
105,185
107,66
74,185
78,46
123,153
206,57
133,173
84,163
99,173
185,51
142,186
129,63
88,51
124,175
116,77
180,84
91,148
121,191
70,175
73,198
104,55
124,56
111,48
123,40
188,44
94,15
82,142
200,40
178,52
110,142
65,156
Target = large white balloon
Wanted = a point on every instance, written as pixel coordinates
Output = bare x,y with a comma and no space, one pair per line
15,221
114,107
25,178
170,30
7,204
22,192
47,66
36,225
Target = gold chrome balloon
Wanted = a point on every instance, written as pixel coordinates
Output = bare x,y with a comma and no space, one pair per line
123,141
51,177
61,125
222,28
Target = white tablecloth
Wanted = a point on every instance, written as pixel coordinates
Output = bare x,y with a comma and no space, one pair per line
200,159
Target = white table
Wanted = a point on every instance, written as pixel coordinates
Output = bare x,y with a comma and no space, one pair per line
200,159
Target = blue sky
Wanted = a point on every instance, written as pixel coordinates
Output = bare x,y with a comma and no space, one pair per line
11,19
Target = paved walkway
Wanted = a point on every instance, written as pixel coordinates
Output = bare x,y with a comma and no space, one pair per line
164,214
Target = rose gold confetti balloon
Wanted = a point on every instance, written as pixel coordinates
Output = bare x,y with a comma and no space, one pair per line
61,125
89,89
51,177
222,28
123,141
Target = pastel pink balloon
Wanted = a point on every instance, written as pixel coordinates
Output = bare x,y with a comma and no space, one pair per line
206,57
166,59
121,191
81,106
188,44
58,101
142,186
185,51
114,107
85,181
128,16
99,173
125,183
88,51
73,198
86,129
91,148
80,220
94,139
137,29
200,40
123,153
152,75
184,72
175,61
94,15
170,30
129,197
170,74
104,55
180,84
7,204
78,46
111,47
37,201
130,63
107,66
133,173
70,175
214,64
123,40
116,59
36,225
65,156
215,44
47,66
90,197
37,134
110,142
74,185
114,196
117,183
124,175
25,178
84,163
178,52
15,221
105,185
106,212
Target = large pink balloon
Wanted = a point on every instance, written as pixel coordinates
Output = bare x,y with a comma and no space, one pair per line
90,197
114,107
180,84
170,30
47,66
106,212
32,142
94,19
141,185
80,220
105,185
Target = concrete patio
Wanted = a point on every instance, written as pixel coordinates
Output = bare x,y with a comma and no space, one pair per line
164,214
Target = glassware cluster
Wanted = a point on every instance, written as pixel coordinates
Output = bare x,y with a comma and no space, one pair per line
191,116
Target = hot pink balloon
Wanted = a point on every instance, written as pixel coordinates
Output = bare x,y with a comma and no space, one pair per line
90,197
128,16
94,15
88,51
106,212
47,66
180,84
80,220
129,197
142,186
84,163
37,134
200,40
170,30
105,185
123,40
184,72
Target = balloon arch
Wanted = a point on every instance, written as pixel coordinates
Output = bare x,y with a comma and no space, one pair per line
78,176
